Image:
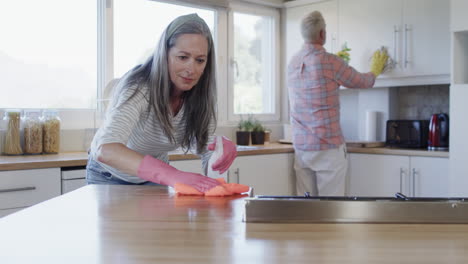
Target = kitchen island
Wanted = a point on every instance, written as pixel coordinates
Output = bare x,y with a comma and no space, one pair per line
147,224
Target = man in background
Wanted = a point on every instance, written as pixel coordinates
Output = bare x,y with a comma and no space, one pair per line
314,78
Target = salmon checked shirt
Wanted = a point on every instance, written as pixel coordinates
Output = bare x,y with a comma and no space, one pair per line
314,78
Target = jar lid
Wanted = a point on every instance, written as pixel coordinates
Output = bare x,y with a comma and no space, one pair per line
11,112
32,112
50,112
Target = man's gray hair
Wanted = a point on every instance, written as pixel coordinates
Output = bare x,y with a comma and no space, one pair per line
311,26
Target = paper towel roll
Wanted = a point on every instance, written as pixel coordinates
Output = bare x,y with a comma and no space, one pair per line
371,126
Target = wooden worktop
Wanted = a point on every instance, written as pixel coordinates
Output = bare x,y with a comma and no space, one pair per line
148,224
69,159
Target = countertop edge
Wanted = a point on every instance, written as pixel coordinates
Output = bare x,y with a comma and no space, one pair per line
71,159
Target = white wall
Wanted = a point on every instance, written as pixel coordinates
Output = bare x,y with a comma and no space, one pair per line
458,95
458,140
354,105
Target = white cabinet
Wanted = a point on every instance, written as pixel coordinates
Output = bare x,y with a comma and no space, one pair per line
430,176
294,16
376,175
385,175
22,188
270,174
194,165
73,178
418,43
366,25
458,95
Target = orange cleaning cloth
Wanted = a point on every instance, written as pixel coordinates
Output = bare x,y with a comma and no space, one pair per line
225,189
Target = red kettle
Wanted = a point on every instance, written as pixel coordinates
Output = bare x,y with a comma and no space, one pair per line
438,138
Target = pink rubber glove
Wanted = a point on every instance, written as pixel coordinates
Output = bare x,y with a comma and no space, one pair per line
157,171
229,154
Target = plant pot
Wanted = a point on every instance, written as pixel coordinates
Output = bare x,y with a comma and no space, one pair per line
243,138
258,138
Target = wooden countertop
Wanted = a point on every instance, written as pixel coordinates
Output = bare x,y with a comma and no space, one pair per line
69,159
400,152
148,224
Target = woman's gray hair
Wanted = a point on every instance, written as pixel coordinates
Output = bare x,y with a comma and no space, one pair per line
311,26
199,102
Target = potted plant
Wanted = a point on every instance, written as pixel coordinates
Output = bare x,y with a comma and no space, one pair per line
244,129
258,133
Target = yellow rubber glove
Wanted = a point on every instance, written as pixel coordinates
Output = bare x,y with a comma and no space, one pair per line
379,60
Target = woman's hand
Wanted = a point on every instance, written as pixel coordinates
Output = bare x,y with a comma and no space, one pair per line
229,154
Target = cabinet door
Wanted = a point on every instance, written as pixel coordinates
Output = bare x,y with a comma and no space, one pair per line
294,16
22,188
430,177
426,37
266,174
188,165
366,25
377,175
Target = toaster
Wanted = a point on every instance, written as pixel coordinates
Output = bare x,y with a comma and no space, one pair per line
407,133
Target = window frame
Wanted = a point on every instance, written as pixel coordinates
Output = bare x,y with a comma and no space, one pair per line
252,9
223,32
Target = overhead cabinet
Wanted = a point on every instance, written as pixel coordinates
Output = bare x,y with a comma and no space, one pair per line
385,175
415,32
294,16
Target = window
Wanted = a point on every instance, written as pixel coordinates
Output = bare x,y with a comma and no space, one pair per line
253,65
63,54
48,54
138,25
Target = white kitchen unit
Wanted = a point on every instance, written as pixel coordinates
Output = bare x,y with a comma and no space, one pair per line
458,95
294,15
385,175
73,178
270,174
23,188
418,43
194,165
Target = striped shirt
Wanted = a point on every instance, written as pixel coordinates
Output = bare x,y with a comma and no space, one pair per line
314,78
131,125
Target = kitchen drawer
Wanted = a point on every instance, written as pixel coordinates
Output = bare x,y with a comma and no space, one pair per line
70,185
73,173
21,188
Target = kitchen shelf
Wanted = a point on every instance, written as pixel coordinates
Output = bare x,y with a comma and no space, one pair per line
460,57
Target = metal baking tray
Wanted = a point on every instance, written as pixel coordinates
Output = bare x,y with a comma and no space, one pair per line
330,209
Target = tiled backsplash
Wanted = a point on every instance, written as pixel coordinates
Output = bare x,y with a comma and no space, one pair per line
420,102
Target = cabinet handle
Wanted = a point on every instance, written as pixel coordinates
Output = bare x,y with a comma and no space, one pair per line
414,182
395,33
401,179
237,175
406,45
18,189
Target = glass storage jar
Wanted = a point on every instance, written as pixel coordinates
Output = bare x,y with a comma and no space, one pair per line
51,131
12,132
32,130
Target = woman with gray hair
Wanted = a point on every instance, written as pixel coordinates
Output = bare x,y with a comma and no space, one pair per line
165,103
